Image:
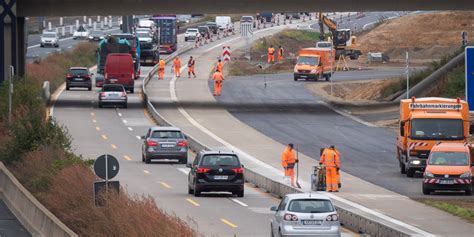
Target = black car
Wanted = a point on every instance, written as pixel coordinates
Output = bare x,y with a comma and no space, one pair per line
204,31
213,27
149,53
78,77
216,171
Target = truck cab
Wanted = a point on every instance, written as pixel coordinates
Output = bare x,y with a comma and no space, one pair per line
314,63
449,168
423,123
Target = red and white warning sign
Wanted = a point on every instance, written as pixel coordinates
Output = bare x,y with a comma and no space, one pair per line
226,53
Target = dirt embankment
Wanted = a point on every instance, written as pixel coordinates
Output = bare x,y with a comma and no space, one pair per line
426,37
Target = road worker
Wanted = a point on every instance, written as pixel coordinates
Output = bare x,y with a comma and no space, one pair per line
218,78
161,69
288,161
331,161
219,66
280,53
191,64
271,54
177,66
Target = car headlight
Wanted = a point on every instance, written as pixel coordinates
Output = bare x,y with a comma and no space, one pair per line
314,71
465,175
102,37
428,175
90,37
415,162
295,70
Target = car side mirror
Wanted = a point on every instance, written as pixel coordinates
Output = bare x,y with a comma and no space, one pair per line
273,209
143,137
402,128
189,165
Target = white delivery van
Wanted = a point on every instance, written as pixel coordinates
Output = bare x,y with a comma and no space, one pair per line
224,22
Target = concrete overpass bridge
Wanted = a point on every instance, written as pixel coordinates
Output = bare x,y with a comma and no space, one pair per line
13,13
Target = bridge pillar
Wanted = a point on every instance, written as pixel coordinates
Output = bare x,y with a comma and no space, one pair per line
12,40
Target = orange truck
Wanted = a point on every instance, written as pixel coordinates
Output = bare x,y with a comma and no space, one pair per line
314,63
449,168
423,123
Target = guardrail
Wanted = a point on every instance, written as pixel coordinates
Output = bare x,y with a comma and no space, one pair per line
351,217
38,220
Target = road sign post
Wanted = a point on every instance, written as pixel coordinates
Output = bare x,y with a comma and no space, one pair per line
469,71
408,75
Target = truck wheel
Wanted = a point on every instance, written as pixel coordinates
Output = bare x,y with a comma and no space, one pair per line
131,90
327,77
402,168
426,191
295,78
410,172
469,192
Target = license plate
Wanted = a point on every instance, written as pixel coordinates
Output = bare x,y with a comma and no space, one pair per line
113,80
149,61
114,94
79,79
446,181
303,76
311,222
221,177
167,145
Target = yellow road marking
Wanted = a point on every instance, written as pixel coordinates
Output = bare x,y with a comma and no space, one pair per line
165,185
146,171
92,114
113,146
192,202
104,137
97,128
94,121
229,223
127,157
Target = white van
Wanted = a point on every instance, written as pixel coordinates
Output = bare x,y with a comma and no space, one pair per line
146,24
224,22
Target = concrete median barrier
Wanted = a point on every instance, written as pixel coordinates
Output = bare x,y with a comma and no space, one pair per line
38,220
358,219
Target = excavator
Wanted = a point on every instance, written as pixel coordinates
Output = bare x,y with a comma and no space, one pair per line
343,41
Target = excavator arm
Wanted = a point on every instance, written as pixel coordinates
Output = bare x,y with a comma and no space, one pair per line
324,20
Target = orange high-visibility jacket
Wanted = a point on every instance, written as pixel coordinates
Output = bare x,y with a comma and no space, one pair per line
177,62
271,51
280,51
218,77
288,157
330,158
161,64
220,66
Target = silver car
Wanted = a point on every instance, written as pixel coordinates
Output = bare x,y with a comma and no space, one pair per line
165,143
305,214
49,39
112,94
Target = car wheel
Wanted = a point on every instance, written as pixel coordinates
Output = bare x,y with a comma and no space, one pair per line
143,158
469,192
271,230
56,46
125,105
89,88
240,193
410,172
41,45
197,193
402,168
67,87
147,160
100,105
190,190
185,39
295,78
426,191
131,90
183,160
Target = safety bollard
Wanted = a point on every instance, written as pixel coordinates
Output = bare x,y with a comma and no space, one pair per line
61,21
284,21
50,27
63,31
98,18
84,19
71,30
200,41
110,22
77,23
90,22
218,35
95,25
101,25
304,18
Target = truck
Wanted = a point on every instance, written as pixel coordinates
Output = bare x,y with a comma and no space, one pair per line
106,47
344,42
135,46
425,122
167,31
314,63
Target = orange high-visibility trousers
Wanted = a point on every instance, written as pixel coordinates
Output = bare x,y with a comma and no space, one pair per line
217,88
271,58
161,74
280,57
331,179
177,71
191,71
291,173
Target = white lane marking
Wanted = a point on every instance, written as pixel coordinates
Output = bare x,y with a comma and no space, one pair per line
184,170
239,202
138,137
124,121
174,98
120,114
129,128
61,89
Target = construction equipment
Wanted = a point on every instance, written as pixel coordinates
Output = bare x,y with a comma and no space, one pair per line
343,41
318,178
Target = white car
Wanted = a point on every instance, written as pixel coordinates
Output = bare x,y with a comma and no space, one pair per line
144,36
81,33
305,214
49,38
224,22
191,34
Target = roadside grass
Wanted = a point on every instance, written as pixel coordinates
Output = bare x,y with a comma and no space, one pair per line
291,41
460,208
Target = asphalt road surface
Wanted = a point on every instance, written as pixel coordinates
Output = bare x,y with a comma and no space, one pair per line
287,112
9,225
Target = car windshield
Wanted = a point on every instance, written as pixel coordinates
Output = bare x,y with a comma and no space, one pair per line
437,129
78,72
220,160
49,35
111,88
166,134
449,158
308,60
246,19
146,45
310,206
143,35
192,31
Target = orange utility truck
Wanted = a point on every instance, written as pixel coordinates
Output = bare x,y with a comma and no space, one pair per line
314,63
423,123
